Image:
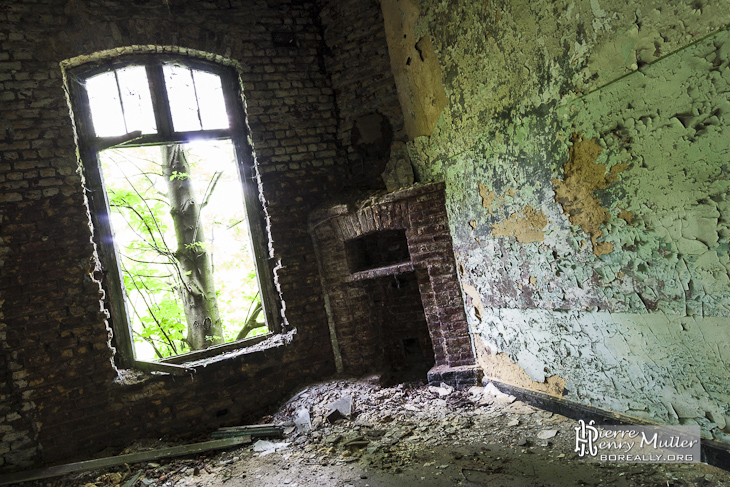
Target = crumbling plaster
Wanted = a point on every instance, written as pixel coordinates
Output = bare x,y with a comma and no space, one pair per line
631,310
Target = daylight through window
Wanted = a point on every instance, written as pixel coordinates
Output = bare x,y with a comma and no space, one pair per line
180,230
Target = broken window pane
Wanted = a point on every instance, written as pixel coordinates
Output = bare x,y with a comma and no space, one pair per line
136,99
183,102
105,106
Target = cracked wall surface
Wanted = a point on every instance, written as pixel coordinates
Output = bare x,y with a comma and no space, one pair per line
585,149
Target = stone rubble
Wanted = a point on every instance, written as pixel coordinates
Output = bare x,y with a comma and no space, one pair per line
404,435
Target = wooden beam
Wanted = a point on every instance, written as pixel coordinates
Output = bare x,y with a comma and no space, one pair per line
145,456
254,430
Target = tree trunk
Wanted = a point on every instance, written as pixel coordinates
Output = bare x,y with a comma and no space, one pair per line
198,289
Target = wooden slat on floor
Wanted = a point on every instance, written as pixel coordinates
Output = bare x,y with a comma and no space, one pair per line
145,456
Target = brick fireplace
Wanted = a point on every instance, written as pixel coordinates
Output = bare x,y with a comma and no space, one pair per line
388,273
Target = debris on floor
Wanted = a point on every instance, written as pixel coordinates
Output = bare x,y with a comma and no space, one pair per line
355,433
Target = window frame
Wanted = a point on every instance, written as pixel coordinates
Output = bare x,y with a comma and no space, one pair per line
90,145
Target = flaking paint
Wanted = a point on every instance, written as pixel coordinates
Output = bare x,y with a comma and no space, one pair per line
640,326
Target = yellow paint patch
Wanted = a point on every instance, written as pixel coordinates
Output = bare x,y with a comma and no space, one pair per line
499,367
488,197
415,68
533,280
627,216
576,193
525,228
473,224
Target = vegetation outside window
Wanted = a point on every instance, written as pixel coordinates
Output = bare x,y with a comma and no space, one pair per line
175,205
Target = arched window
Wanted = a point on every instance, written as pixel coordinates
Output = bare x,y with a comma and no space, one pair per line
171,182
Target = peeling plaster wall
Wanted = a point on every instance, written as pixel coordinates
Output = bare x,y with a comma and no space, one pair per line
585,150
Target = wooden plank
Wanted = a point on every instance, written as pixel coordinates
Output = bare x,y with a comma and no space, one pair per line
258,430
235,434
213,351
145,456
250,426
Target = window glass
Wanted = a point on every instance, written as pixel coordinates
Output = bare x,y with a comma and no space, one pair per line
210,100
183,102
196,99
113,116
105,106
136,99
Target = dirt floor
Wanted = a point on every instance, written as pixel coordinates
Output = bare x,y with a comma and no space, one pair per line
405,435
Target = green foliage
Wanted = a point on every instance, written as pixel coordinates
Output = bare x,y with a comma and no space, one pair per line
166,317
179,176
149,274
196,246
152,277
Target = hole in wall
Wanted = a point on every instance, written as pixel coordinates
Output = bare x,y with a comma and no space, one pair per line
371,138
376,250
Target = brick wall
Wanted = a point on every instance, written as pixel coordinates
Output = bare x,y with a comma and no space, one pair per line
420,211
357,59
60,395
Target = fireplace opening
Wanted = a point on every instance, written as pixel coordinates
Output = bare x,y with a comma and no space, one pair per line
407,352
412,349
380,249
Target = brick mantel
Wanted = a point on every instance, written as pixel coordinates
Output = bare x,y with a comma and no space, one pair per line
419,212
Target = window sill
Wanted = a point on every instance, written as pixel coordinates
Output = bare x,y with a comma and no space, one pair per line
215,350
188,363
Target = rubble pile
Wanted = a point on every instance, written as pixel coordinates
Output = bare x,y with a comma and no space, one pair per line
356,433
389,427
